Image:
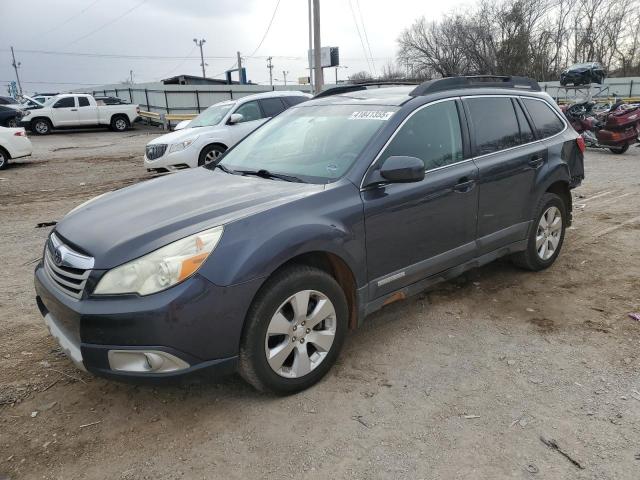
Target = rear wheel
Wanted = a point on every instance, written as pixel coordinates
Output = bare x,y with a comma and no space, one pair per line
4,159
294,331
619,150
210,154
12,123
546,235
41,126
120,124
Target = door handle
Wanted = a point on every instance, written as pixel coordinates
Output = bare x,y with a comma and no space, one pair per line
74,109
464,185
536,161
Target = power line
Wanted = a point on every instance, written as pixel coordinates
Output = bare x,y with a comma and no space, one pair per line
180,64
105,25
366,37
355,21
268,28
72,17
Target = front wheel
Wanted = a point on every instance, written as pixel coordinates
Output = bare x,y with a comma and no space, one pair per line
619,150
4,159
210,154
546,234
294,331
41,126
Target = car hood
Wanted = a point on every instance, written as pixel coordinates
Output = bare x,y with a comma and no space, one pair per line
184,134
128,223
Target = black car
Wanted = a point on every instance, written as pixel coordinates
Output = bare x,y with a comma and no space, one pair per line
9,117
4,100
583,74
262,261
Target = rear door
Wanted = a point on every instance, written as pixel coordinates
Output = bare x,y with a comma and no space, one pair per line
507,158
87,114
415,230
65,112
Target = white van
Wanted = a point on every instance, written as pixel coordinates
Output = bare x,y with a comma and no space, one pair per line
216,129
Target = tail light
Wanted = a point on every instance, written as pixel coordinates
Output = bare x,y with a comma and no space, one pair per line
21,133
581,145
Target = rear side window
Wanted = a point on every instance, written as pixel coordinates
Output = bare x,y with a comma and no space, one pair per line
494,124
271,106
432,134
65,102
546,121
83,102
291,101
526,134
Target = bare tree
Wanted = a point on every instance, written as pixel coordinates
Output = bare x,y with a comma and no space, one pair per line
361,76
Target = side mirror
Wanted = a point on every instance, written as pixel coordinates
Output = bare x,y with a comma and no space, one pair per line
402,169
235,118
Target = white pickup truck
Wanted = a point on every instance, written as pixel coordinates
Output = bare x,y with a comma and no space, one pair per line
75,110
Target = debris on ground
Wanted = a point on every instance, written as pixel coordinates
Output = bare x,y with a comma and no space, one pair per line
358,418
552,444
635,316
46,224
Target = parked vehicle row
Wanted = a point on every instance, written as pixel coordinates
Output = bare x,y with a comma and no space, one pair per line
260,261
206,137
615,128
78,111
14,143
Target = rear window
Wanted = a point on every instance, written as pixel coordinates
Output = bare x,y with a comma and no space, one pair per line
291,101
494,124
544,118
272,106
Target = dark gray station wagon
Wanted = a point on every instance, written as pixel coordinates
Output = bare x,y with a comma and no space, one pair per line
261,262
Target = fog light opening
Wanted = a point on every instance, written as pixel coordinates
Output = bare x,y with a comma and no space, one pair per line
145,361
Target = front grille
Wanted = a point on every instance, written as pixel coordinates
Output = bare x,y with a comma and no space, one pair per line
156,151
67,274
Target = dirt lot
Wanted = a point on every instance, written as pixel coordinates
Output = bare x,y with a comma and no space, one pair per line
461,382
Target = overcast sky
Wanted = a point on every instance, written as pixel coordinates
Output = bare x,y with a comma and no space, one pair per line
166,28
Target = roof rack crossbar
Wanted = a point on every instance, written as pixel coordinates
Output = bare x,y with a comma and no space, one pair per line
355,87
476,81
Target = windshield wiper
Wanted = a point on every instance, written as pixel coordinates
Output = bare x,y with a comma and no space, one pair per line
267,174
225,169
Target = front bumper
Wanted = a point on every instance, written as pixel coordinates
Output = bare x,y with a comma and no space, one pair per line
196,322
174,161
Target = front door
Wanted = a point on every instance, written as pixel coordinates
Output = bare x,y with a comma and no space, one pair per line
65,112
415,230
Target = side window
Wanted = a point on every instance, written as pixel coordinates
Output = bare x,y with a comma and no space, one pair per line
83,102
494,124
291,101
432,134
526,134
546,121
250,111
65,102
271,106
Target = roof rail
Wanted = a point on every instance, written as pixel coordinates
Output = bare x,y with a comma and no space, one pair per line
355,87
475,81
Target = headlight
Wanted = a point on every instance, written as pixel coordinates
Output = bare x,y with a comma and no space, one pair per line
26,113
162,268
176,147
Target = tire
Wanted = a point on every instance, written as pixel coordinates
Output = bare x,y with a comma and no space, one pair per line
4,159
619,150
12,123
552,238
272,327
120,123
41,126
210,153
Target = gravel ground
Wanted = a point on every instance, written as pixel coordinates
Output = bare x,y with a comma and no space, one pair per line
464,381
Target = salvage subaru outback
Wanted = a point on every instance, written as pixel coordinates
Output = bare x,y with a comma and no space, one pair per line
261,261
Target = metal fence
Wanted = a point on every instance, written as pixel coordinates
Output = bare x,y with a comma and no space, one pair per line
628,87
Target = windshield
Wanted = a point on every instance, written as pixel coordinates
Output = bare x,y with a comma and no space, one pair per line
211,116
317,144
582,65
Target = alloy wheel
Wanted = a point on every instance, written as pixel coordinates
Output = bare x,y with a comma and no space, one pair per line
3,160
120,124
300,334
548,233
42,127
212,156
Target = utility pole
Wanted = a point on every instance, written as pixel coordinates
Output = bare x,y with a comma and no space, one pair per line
131,77
239,61
270,67
284,75
310,46
15,67
316,47
200,43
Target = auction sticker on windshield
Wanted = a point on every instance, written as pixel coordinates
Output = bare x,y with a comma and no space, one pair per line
371,115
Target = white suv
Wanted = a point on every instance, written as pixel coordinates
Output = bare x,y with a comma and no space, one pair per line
215,130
